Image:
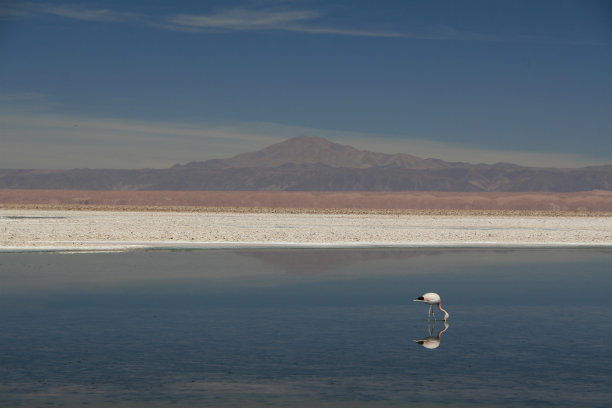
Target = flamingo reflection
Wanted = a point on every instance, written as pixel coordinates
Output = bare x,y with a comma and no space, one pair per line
431,341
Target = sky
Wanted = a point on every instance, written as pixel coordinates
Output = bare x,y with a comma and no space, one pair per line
149,83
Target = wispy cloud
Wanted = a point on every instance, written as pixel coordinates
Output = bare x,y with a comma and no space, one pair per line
77,13
304,21
307,21
243,19
269,19
235,19
69,11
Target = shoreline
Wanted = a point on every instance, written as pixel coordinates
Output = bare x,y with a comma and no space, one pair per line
303,210
29,230
256,246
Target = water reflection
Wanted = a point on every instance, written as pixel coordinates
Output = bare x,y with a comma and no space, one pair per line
304,262
431,341
225,328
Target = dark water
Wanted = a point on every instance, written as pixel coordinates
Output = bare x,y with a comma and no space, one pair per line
306,328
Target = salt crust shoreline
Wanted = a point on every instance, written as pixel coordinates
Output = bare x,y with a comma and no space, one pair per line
24,230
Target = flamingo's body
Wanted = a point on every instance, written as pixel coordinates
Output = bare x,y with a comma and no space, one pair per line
432,299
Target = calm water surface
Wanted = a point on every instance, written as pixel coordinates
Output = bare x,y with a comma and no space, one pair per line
306,328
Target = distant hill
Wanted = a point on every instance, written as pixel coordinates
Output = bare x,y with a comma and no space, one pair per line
316,151
315,164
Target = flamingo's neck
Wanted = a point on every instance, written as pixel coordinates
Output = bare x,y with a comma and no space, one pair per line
445,312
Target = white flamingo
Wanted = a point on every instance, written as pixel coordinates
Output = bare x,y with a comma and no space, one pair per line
432,299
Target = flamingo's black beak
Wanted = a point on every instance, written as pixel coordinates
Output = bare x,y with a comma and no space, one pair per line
419,298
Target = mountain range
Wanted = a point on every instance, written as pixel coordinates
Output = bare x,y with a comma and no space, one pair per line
307,163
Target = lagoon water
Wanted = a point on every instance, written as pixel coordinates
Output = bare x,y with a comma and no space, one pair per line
306,327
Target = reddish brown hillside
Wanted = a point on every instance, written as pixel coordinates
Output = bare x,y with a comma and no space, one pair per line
592,201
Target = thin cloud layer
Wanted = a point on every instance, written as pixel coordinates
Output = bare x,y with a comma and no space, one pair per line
236,19
304,21
102,15
39,134
244,19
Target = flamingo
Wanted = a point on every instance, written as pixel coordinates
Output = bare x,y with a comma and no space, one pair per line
432,299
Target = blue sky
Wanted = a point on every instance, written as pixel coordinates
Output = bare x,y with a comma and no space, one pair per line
130,84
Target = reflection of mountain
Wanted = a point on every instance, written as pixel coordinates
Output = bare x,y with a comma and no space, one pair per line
315,164
312,262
